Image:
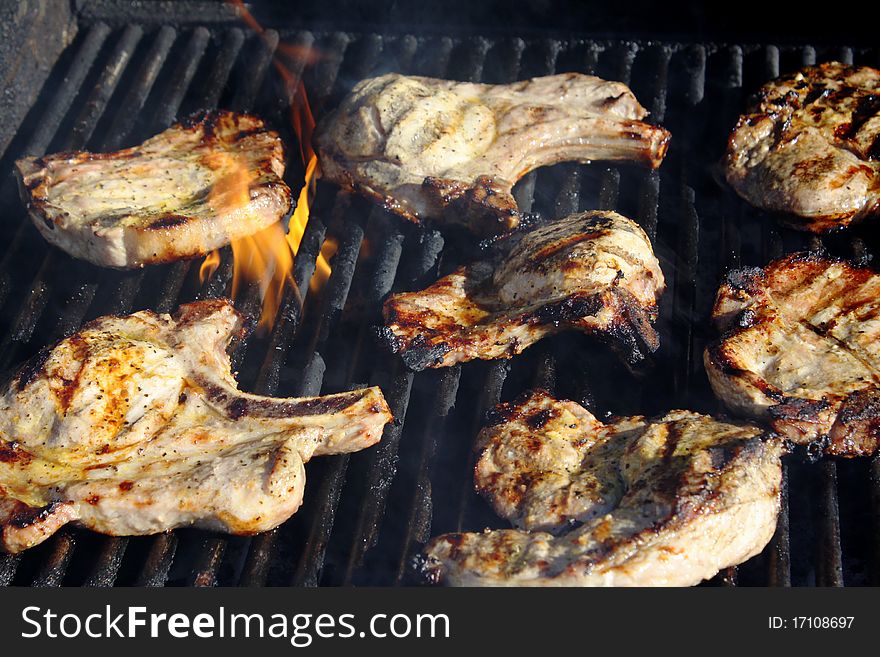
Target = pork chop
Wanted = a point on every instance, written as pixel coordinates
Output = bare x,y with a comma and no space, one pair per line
635,502
452,151
809,146
135,425
195,187
593,272
799,349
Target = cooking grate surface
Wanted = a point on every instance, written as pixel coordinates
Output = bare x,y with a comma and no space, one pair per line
366,514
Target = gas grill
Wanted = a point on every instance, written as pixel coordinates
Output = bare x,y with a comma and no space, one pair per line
126,75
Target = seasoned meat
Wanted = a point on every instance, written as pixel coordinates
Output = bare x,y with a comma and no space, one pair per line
800,349
810,146
546,463
191,189
452,151
593,272
636,502
134,425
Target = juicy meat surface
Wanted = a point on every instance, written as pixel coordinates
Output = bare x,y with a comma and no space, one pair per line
135,425
800,349
193,188
810,146
636,502
594,272
452,151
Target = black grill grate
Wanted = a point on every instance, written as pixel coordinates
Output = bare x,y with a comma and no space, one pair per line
366,514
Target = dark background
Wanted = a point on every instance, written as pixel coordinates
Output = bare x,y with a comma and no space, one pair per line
850,23
841,22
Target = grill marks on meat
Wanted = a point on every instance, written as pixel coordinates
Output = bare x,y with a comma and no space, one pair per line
135,425
800,350
547,463
637,502
810,146
193,188
451,151
594,272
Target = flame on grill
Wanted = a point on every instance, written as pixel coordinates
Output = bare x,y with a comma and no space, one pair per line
266,258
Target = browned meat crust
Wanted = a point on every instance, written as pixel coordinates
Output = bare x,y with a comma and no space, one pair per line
134,425
594,272
451,151
809,146
800,350
634,502
205,181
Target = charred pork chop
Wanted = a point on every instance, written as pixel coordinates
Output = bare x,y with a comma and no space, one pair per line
594,272
800,349
637,502
452,151
191,189
134,425
810,146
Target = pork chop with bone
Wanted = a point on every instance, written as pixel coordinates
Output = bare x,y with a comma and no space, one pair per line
594,272
135,425
451,151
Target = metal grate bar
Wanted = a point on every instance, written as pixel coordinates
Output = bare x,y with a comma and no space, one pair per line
779,555
253,77
829,567
96,104
52,571
131,105
180,81
108,562
158,562
419,522
365,54
382,471
490,397
215,81
35,302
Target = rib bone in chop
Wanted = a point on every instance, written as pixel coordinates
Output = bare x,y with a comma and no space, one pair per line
594,272
810,146
197,186
134,425
636,502
437,149
801,349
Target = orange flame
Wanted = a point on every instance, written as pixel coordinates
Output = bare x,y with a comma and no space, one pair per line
209,266
298,226
267,257
264,257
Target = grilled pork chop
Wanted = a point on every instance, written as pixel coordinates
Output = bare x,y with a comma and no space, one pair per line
637,502
800,349
203,182
810,146
134,425
593,272
452,151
